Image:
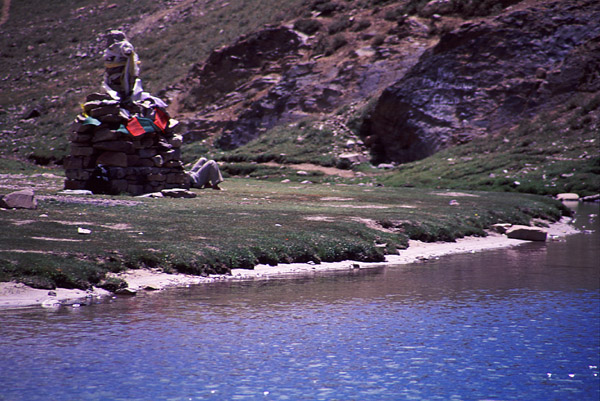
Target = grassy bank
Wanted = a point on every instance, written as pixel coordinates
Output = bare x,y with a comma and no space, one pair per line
251,222
546,155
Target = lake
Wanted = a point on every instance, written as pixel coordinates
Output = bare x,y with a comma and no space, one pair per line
513,324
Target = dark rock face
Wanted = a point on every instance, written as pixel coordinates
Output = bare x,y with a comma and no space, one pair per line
228,68
486,75
277,76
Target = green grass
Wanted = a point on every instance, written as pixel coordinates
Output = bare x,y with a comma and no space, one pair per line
51,63
546,155
251,222
51,58
305,142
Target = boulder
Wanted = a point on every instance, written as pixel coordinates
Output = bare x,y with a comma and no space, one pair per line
567,197
527,233
23,199
437,7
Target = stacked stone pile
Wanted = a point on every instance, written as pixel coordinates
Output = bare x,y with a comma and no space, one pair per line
106,158
123,141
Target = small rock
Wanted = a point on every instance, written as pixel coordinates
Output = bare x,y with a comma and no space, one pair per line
84,231
436,7
501,227
354,157
178,193
591,198
76,192
32,113
454,202
126,291
567,197
152,195
50,303
24,199
526,233
385,166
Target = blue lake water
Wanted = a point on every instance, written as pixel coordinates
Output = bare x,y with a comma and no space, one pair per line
515,324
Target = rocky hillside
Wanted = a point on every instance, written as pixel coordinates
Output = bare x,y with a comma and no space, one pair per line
435,77
397,80
308,67
487,75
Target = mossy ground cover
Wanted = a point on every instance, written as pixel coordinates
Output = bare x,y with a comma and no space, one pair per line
252,222
546,155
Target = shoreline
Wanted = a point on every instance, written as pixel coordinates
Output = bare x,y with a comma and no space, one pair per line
18,295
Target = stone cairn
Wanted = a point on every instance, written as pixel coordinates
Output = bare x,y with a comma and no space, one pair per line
123,141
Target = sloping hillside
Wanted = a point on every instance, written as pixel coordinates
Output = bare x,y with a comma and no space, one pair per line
337,83
51,56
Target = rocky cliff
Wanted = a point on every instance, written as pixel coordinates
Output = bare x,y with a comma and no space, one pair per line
308,67
434,85
486,75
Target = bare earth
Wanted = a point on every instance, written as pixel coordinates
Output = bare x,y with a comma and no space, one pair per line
18,295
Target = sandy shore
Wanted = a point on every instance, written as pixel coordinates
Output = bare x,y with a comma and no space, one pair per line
19,295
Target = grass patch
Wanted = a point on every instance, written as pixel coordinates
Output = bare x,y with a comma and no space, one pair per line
538,156
252,222
305,142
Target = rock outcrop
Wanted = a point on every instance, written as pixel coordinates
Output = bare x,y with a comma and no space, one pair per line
526,233
23,199
287,73
486,75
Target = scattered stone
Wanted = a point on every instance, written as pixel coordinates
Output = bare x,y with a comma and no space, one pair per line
437,7
453,202
84,231
354,157
567,197
385,166
126,292
301,172
152,195
178,193
50,304
113,284
526,233
591,198
33,113
501,228
23,199
75,192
